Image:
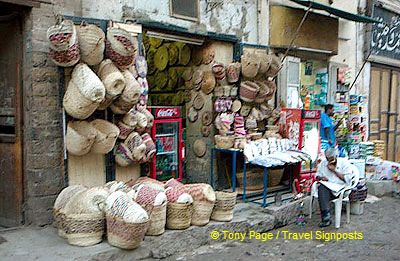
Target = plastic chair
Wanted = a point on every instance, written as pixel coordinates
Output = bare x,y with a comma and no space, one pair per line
343,197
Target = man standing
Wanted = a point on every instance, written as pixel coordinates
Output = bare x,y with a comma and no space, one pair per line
333,174
327,132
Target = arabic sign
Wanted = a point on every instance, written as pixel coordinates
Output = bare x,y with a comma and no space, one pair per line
385,40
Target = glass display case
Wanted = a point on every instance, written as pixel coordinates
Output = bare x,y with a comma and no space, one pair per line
167,134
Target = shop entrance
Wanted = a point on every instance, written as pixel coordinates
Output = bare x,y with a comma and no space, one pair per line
11,189
384,107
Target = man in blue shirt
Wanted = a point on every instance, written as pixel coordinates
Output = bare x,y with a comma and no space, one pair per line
328,128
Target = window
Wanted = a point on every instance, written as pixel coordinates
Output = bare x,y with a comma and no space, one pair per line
185,9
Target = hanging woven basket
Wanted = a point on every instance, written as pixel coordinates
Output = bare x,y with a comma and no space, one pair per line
129,96
113,79
80,137
84,93
63,44
120,47
91,43
123,156
107,134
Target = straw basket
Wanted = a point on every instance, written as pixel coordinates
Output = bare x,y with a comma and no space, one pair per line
61,201
158,218
84,229
92,43
254,179
80,137
248,91
123,156
76,105
113,79
120,47
107,134
224,142
179,215
224,205
125,235
63,43
275,177
201,212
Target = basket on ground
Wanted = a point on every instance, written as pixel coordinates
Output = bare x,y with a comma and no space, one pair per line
123,234
84,229
224,205
179,215
158,219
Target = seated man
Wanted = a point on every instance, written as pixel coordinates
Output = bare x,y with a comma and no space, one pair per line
333,175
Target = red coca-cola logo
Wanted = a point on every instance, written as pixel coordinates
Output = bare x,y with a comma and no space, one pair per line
166,113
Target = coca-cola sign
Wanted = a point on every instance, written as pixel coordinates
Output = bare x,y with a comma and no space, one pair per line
167,112
311,114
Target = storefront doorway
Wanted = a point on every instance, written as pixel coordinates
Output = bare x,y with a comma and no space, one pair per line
11,184
384,107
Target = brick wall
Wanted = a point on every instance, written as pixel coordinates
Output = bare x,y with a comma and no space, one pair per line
43,146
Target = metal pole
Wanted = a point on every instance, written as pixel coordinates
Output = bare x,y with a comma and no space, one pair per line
296,33
359,72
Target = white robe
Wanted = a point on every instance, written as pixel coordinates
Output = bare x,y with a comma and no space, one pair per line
334,183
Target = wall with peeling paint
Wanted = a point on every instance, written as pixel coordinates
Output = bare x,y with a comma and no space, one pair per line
235,17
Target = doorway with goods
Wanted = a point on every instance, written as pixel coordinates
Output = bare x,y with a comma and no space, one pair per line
11,182
384,107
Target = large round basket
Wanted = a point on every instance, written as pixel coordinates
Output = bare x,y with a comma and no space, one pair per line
125,235
179,215
202,212
224,205
254,179
59,219
84,229
107,134
158,218
77,105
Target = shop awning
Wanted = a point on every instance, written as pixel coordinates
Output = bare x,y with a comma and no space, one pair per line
336,12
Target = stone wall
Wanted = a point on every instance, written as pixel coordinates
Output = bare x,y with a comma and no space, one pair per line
43,131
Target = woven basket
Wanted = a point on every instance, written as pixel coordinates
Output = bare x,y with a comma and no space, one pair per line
76,105
84,229
224,205
92,43
84,93
158,219
113,79
107,134
62,200
125,235
201,212
63,43
254,179
275,177
179,215
120,47
123,156
80,137
224,142
130,95
248,91
124,130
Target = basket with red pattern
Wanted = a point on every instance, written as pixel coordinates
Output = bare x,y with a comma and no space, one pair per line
63,43
120,47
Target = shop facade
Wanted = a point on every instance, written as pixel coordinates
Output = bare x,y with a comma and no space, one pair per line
43,166
383,70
